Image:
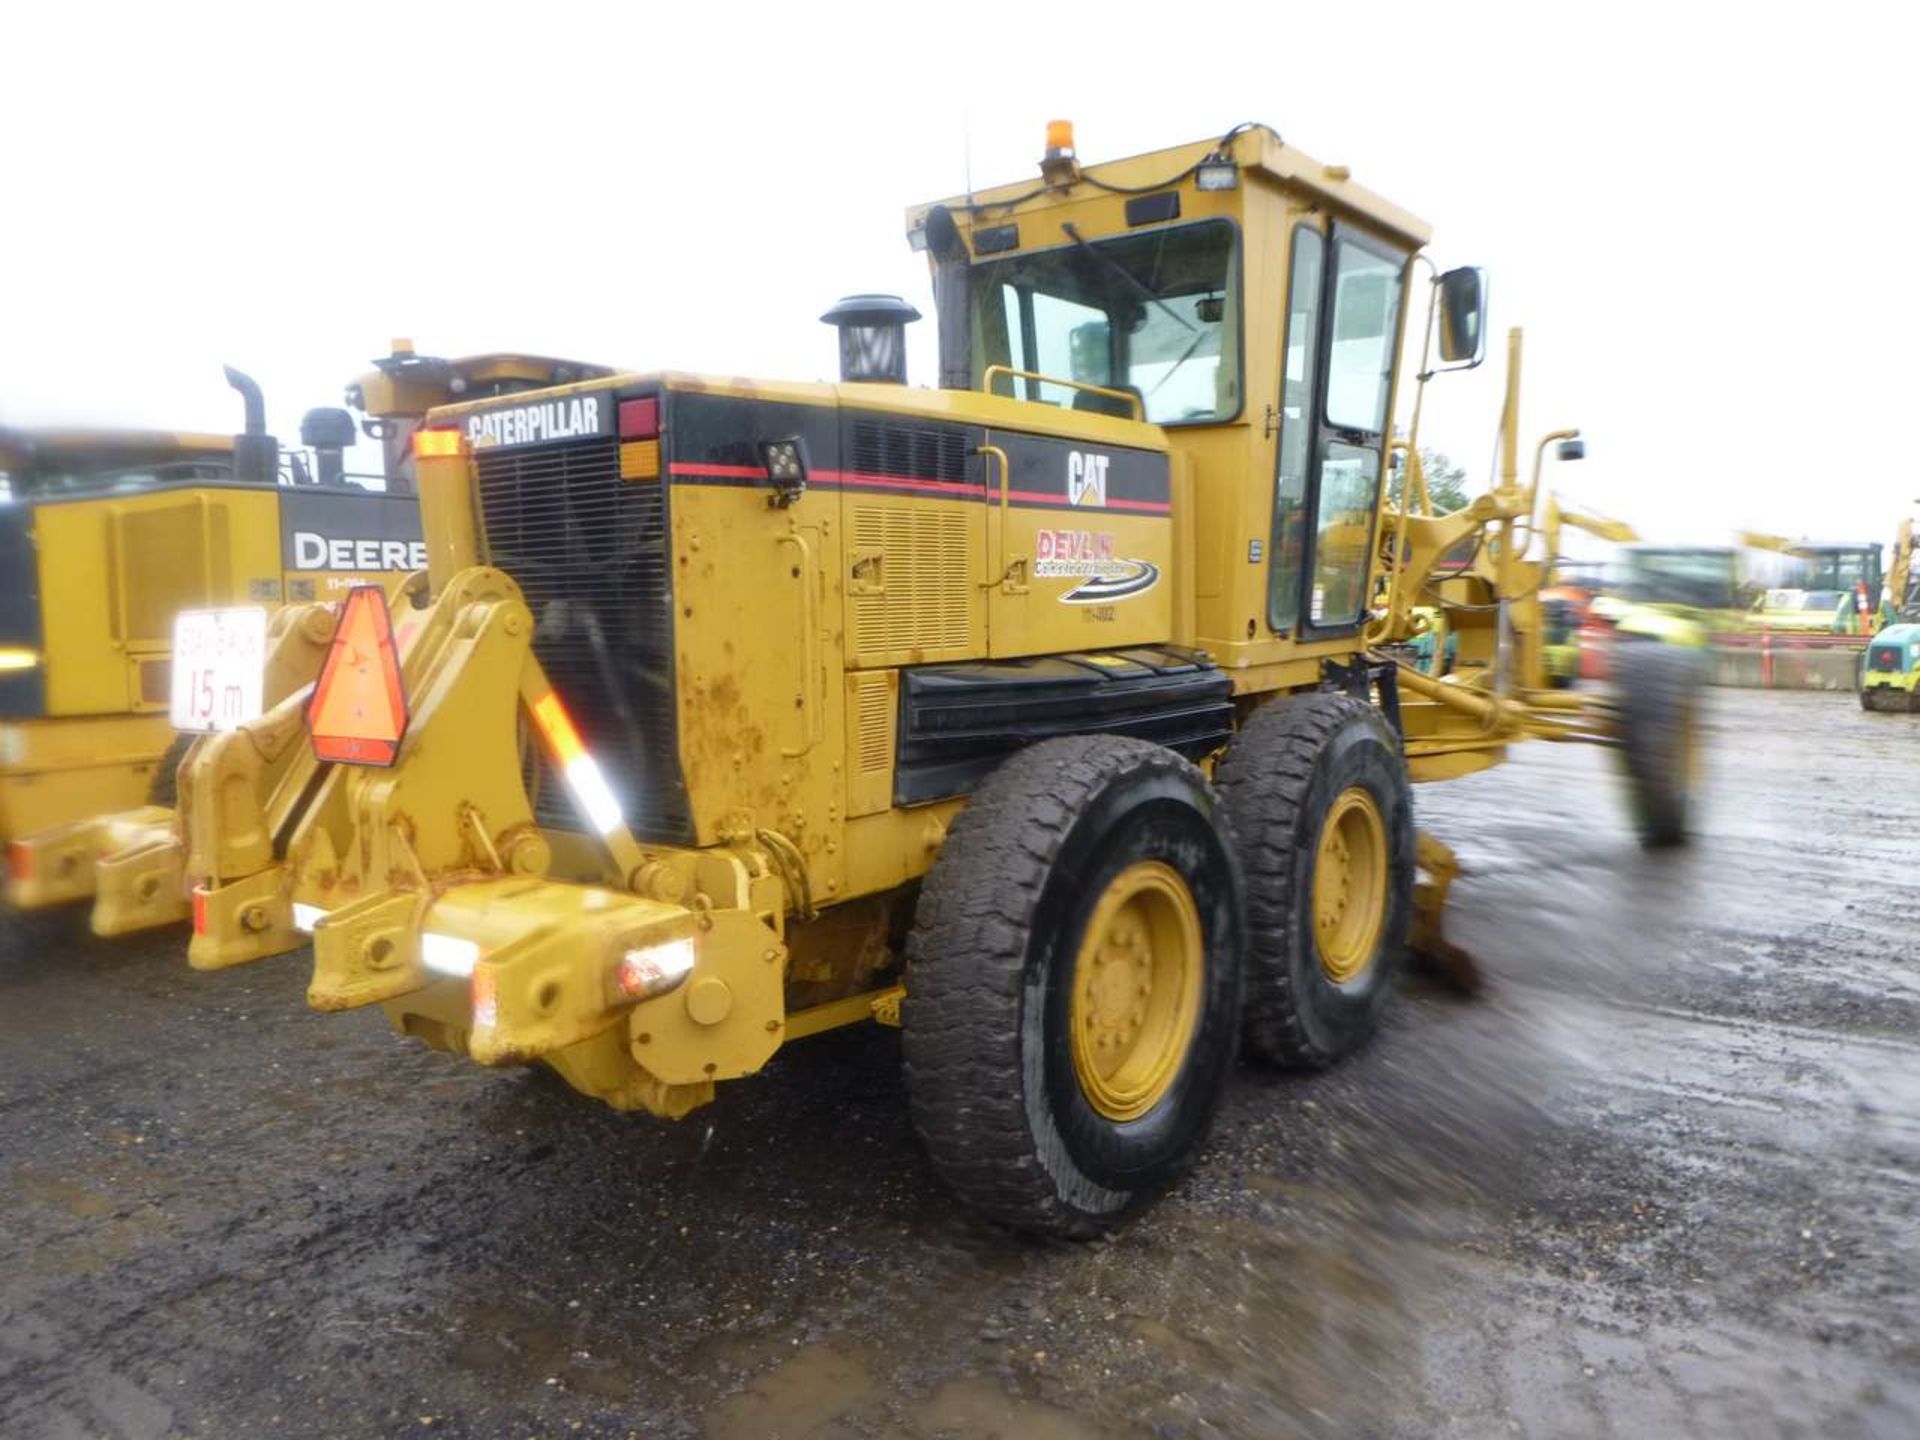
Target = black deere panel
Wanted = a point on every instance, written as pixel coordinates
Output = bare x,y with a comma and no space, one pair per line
23,693
591,552
957,722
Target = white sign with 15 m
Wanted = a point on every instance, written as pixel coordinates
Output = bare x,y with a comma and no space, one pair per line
219,660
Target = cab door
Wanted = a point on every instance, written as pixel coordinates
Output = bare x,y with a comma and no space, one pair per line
1343,337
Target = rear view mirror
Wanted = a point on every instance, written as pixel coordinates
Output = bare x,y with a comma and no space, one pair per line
1463,316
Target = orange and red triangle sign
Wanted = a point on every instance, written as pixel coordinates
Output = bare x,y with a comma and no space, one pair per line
359,708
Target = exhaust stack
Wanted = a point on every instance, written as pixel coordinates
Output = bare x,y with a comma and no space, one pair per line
873,338
256,454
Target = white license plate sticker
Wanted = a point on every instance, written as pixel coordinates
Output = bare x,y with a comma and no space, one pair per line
219,659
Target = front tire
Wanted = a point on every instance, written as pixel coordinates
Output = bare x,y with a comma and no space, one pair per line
1316,786
1073,984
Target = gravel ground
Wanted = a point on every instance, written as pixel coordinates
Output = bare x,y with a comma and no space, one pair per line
1660,1179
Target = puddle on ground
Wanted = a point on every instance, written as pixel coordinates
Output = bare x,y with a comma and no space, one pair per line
798,1400
980,1410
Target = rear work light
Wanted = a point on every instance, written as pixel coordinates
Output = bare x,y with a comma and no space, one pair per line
655,969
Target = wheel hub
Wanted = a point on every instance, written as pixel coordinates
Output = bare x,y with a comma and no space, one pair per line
1350,885
1136,990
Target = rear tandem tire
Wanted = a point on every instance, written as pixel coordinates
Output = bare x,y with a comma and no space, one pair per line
1659,687
1073,984
1318,781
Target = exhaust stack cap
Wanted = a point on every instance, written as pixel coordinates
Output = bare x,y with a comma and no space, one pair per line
873,338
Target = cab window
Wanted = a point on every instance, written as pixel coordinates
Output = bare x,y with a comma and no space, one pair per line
1296,428
1155,314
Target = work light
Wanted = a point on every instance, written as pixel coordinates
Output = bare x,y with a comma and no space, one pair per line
786,462
1217,172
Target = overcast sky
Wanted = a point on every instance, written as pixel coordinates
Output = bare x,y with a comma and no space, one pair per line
1678,208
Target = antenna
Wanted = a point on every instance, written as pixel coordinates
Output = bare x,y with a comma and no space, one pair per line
966,149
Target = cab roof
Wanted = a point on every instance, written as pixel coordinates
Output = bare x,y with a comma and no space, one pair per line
1257,149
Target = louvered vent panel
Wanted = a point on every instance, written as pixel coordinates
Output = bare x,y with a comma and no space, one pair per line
920,603
920,452
873,714
164,564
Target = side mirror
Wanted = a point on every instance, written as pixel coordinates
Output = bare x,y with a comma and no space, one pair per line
1572,450
1463,316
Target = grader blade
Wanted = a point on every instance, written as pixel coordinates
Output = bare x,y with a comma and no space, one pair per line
1446,961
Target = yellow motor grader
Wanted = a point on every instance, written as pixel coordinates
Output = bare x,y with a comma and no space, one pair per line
109,535
1038,714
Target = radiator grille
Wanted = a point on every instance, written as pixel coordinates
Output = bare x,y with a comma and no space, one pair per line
920,603
591,553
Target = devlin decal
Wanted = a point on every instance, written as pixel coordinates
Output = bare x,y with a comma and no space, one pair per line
1087,556
576,417
1126,579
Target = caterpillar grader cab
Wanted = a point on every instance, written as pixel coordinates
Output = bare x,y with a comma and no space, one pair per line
1039,714
109,536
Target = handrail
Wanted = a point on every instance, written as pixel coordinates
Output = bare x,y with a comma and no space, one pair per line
997,536
987,377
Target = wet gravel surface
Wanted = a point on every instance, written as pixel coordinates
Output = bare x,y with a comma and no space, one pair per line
1660,1179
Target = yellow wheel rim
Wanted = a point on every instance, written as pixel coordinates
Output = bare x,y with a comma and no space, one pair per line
1136,990
1350,885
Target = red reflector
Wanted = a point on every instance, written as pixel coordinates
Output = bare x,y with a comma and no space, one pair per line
359,708
19,861
199,910
640,419
435,444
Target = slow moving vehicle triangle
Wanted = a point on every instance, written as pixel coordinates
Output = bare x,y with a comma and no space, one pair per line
359,707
